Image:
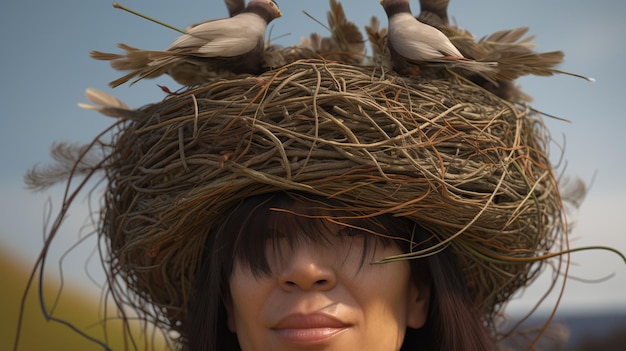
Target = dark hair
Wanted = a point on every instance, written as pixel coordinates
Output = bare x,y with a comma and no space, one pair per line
451,324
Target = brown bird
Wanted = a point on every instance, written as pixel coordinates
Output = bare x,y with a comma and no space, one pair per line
412,42
346,43
434,12
235,7
214,48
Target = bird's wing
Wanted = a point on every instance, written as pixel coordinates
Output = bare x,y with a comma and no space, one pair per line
418,41
222,38
199,34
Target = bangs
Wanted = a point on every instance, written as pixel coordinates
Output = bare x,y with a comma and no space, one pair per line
292,219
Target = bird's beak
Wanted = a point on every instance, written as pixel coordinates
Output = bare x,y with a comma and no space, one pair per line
278,13
382,2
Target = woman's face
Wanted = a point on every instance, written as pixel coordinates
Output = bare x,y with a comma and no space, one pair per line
322,296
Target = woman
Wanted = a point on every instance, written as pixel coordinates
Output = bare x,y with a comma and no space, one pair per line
314,284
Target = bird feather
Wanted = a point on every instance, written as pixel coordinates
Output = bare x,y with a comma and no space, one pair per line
345,44
109,105
378,39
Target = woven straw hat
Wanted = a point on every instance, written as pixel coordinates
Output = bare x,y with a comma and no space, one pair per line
463,163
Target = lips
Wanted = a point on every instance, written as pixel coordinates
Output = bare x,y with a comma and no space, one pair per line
309,329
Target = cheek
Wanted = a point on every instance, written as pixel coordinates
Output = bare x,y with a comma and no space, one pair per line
383,294
247,296
387,287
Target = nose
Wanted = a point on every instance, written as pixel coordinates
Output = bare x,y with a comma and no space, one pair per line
308,268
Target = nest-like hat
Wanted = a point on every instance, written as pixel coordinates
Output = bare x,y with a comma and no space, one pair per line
463,163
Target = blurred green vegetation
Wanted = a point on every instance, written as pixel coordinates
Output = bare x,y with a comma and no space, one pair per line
81,309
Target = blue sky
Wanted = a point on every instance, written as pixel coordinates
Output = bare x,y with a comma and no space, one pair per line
46,69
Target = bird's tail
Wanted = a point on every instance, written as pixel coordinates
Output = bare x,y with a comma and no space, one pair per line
486,68
140,63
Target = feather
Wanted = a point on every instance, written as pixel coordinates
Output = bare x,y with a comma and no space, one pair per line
378,39
110,106
345,44
70,160
345,34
